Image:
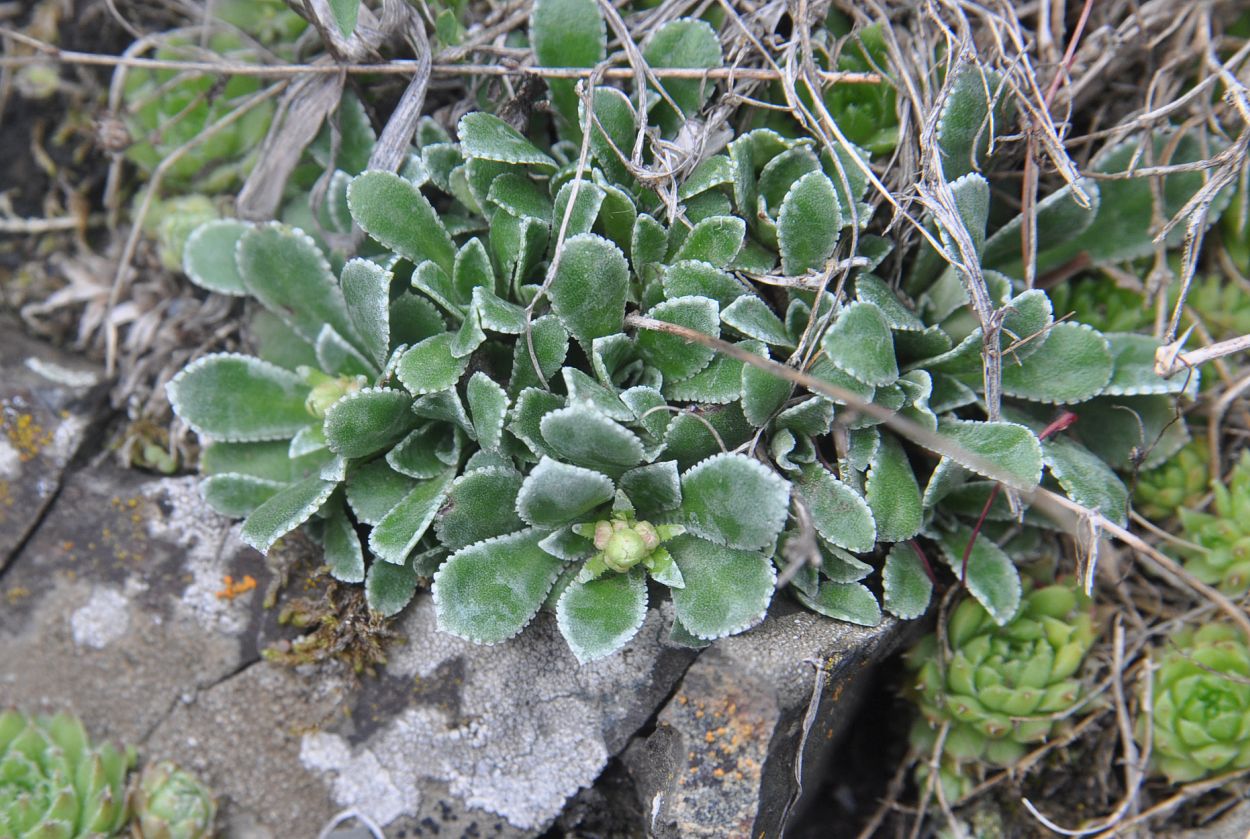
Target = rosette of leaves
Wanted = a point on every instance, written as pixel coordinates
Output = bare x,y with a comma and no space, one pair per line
1200,716
54,782
171,803
1178,484
1000,688
1218,542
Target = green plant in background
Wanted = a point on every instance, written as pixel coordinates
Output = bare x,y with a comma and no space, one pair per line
1200,716
172,221
165,109
170,803
1220,552
55,783
1178,484
1000,688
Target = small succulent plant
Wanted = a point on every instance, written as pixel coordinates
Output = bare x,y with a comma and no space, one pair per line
1000,688
1178,484
55,783
1220,555
1200,718
171,803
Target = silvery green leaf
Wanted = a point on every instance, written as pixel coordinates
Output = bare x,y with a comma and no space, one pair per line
850,602
488,405
685,42
555,494
972,203
374,488
589,288
532,404
852,161
873,290
1060,218
395,213
905,583
517,245
617,212
567,544
860,342
673,356
550,345
587,199
389,587
237,398
445,406
734,500
826,371
1026,326
992,578
726,591
976,109
811,417
479,175
650,408
208,257
694,435
608,355
717,384
653,487
582,389
520,195
679,636
892,492
435,283
366,291
584,436
1133,368
487,592
285,511
1012,449
424,453
949,394
751,316
841,566
488,137
714,240
481,504
234,495
712,172
779,174
763,393
498,315
469,337
1073,365
342,547
337,357
368,421
691,277
472,270
612,136
284,269
430,366
837,511
345,13
808,224
397,533
1086,479
269,460
649,243
599,617
567,33
278,343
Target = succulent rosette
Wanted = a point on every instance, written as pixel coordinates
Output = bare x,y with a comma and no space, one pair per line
1200,720
1179,483
54,783
171,803
1219,551
1002,687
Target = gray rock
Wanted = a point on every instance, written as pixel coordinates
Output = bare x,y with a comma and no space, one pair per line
48,404
752,723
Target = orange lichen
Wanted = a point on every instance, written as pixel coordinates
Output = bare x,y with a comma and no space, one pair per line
26,435
234,589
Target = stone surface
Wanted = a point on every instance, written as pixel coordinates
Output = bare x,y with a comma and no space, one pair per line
751,723
48,405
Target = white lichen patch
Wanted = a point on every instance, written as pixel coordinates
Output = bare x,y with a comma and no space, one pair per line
10,461
532,726
104,619
383,791
53,372
65,439
208,538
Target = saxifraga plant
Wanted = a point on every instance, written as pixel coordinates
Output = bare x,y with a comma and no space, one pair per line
55,783
171,803
483,392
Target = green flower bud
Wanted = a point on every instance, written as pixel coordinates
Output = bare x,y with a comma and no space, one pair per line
170,803
1201,715
54,782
